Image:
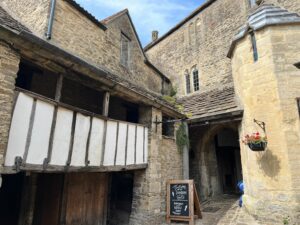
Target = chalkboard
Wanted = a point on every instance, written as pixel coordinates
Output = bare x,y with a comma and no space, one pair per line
182,201
179,200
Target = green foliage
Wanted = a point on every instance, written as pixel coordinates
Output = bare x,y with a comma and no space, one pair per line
181,137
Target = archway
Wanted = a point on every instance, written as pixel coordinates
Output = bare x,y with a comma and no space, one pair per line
215,162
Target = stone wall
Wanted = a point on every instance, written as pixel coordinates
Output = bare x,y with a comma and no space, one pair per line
290,5
203,42
77,34
171,166
164,163
33,13
262,87
9,66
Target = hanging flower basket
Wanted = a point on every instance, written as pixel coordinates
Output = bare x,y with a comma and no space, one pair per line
255,142
259,146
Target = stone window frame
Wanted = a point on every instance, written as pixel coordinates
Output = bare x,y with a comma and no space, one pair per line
252,3
125,43
196,82
187,82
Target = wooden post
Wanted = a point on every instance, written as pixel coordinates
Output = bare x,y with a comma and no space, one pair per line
59,84
186,155
106,98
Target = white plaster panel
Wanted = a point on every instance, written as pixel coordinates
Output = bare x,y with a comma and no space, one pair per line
131,145
38,148
96,140
146,145
62,136
80,140
110,143
120,160
18,129
139,145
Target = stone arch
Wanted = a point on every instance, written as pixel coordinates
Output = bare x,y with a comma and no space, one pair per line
207,179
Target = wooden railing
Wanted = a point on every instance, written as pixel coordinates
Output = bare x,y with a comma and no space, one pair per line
46,135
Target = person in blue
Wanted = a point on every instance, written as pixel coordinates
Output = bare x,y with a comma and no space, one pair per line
241,189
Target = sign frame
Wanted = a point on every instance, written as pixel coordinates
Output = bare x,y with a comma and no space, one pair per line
192,197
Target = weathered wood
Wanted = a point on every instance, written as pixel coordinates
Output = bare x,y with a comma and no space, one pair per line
72,139
64,199
59,85
48,159
29,133
103,143
106,98
117,139
87,162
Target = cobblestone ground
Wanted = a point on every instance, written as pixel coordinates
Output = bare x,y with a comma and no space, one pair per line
224,210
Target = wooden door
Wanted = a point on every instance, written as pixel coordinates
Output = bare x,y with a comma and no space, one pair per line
86,198
48,199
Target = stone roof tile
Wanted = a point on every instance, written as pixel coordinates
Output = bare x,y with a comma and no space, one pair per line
8,21
211,103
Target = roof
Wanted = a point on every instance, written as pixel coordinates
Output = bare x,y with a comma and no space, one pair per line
114,16
7,21
182,22
111,18
86,13
211,103
19,35
265,15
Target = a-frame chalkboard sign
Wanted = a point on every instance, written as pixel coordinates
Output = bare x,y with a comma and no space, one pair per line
182,201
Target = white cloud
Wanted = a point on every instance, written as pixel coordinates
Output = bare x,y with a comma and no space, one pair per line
147,15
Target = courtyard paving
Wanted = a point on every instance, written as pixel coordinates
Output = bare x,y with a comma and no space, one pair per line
224,210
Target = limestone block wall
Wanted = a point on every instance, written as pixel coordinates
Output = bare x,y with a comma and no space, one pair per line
77,34
164,163
290,5
32,13
268,90
9,66
203,42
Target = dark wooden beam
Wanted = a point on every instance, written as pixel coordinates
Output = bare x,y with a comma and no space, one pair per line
106,98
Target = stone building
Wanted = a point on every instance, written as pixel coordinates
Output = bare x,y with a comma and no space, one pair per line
257,90
79,142
81,138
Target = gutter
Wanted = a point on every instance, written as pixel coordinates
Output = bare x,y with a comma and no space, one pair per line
51,19
104,76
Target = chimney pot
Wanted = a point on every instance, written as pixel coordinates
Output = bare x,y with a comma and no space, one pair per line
154,35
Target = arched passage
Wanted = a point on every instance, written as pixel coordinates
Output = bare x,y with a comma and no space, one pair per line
215,162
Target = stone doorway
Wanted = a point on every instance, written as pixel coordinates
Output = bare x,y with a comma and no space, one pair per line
215,161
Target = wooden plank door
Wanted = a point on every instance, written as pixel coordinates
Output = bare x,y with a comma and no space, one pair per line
86,198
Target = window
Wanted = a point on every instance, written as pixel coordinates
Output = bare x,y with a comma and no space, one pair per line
187,82
254,47
252,3
125,44
167,126
196,80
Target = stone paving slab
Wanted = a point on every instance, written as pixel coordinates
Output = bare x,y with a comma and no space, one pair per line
224,211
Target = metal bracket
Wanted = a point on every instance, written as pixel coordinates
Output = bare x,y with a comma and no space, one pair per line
261,124
18,163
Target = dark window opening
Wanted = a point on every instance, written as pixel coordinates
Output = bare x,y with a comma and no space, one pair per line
196,80
167,126
187,83
254,46
298,103
120,109
83,97
10,198
120,198
36,80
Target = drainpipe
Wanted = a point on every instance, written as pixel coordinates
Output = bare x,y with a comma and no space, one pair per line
51,18
185,152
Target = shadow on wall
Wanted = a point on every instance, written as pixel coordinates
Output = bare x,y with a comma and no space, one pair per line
269,163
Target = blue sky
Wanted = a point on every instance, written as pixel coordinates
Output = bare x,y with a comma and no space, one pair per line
147,15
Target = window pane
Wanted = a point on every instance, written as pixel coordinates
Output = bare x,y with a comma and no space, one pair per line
196,80
187,83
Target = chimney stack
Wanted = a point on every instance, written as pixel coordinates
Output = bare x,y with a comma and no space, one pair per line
154,35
